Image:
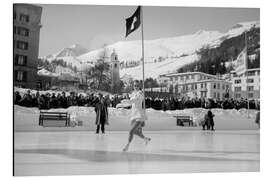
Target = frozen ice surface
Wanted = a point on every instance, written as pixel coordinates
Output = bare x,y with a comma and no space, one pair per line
183,151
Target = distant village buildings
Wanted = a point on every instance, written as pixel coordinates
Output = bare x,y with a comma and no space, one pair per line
47,80
195,84
202,85
247,85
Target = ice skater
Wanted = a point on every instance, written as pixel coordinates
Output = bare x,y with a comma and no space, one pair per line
138,115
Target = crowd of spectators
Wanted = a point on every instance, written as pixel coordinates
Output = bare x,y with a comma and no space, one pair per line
183,103
62,100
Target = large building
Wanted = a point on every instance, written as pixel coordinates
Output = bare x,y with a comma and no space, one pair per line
26,30
247,85
196,84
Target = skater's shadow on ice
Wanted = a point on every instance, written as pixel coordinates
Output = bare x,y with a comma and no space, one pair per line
113,156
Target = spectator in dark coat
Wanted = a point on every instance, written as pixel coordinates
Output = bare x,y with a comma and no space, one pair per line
257,120
101,114
53,101
17,98
211,119
26,100
208,121
63,100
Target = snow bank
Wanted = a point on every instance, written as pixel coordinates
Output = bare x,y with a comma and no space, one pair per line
26,119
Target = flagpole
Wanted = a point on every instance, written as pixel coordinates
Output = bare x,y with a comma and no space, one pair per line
143,57
246,55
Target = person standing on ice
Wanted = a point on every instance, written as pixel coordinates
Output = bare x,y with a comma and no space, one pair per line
101,114
138,115
211,120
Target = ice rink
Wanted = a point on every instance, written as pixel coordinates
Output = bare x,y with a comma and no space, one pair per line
183,151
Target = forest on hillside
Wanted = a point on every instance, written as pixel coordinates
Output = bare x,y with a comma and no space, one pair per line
215,60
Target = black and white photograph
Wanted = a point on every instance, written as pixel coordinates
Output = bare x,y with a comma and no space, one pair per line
135,89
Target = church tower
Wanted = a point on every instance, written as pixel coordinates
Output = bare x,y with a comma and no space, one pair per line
115,66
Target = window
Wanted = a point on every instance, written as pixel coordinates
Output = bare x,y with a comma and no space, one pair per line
201,85
176,78
237,81
115,65
192,76
251,73
24,17
182,78
195,86
218,95
171,78
250,88
214,86
20,75
223,86
187,77
250,95
22,45
20,60
22,31
227,86
218,86
237,89
215,95
237,95
250,80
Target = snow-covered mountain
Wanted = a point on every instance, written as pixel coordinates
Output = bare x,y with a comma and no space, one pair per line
72,51
165,47
69,55
175,51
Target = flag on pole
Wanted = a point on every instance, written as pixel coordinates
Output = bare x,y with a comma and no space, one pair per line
241,62
133,22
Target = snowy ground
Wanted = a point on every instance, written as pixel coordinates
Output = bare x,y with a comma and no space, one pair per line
85,153
26,119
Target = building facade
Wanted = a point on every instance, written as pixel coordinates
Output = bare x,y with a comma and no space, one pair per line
26,30
196,84
246,85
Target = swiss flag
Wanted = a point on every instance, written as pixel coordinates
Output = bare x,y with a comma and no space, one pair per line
133,22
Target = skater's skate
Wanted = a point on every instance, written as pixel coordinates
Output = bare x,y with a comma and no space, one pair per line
126,148
147,140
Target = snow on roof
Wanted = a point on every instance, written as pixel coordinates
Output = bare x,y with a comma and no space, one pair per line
44,72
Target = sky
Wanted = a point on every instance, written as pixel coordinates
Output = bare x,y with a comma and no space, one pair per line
93,26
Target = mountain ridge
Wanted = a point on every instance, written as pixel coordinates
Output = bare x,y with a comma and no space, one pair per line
179,50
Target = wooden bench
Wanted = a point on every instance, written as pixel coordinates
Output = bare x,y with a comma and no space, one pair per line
54,116
181,119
